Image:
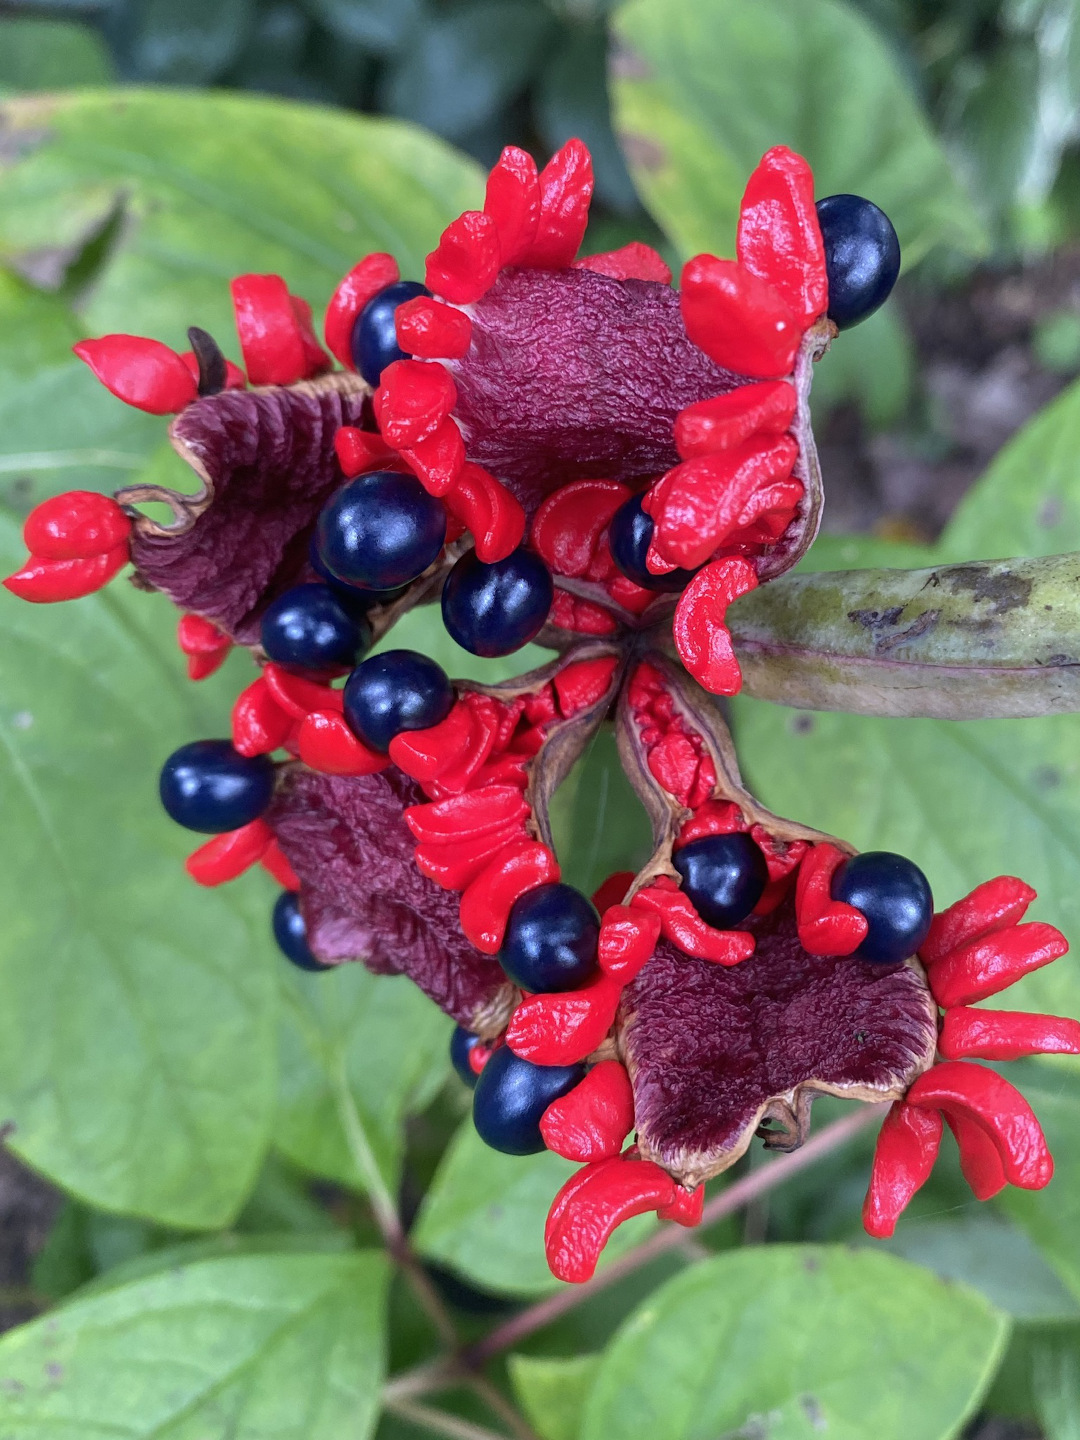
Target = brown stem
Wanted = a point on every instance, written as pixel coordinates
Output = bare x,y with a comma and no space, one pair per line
742,1192
439,1421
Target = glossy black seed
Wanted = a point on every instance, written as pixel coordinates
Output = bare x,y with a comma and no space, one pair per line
395,691
374,337
290,932
551,939
894,895
495,609
356,599
462,1043
630,534
724,877
511,1097
209,787
380,531
862,257
311,627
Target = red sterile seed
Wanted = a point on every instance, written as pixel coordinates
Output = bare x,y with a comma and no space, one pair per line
592,1204
276,342
566,185
726,421
480,1054
583,684
739,320
325,743
568,612
509,718
635,261
200,667
429,330
540,706
44,582
701,637
489,511
627,940
613,890
75,526
512,201
468,816
299,697
686,1208
456,864
226,856
198,636
1005,1035
683,926
826,926
980,1159
486,903
984,967
413,399
991,906
783,857
567,528
466,261
143,373
982,1096
438,461
274,862
508,769
425,754
907,1146
361,284
563,1028
715,817
259,724
779,238
360,450
315,356
594,1118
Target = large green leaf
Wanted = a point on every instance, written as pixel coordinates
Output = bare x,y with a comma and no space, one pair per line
46,54
213,185
703,87
232,1349
137,1044
790,1342
552,1391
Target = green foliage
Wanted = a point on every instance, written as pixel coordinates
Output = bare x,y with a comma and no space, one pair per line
553,1391
49,54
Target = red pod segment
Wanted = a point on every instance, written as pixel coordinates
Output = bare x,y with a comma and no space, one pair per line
907,1146
628,939
75,526
968,1034
438,461
275,331
486,903
429,330
779,238
325,742
566,1027
298,696
361,450
583,684
568,527
684,927
984,967
740,320
259,724
425,754
274,862
466,261
593,1120
826,926
143,373
994,905
566,186
727,421
456,864
44,582
592,1203
489,511
512,201
467,816
413,399
635,261
361,284
686,1208
205,646
980,1159
701,637
226,856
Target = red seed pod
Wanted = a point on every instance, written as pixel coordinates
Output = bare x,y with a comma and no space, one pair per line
274,862
566,185
635,261
235,379
1005,1035
783,857
361,284
429,330
590,1206
991,906
275,336
315,356
468,816
75,526
739,320
466,262
488,510
485,905
727,421
413,399
627,940
462,772
907,1146
584,684
980,1159
594,1118
715,817
568,612
425,754
259,724
143,373
982,1096
299,697
686,1208
512,201
779,238
563,1028
325,743
613,890
984,967
508,769
203,643
438,461
456,865
360,450
826,926
43,582
224,857
683,926
701,637
568,526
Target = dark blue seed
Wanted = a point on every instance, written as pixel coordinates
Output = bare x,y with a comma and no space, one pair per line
894,895
208,786
380,531
374,337
356,600
310,627
862,257
630,535
462,1043
724,877
290,932
551,939
511,1097
395,691
495,609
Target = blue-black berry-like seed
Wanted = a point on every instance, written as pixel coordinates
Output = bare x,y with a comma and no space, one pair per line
210,787
862,257
462,1043
630,534
374,338
724,877
395,691
551,939
356,599
511,1097
290,932
310,626
894,895
496,609
380,531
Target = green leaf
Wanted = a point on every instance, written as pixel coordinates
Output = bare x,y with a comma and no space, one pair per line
703,88
599,825
552,1391
793,1341
282,1345
484,1216
137,1012
1056,1376
189,44
871,366
375,1039
379,25
214,185
48,54
422,629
